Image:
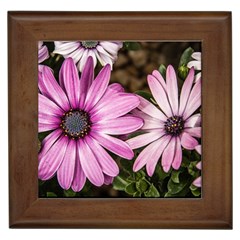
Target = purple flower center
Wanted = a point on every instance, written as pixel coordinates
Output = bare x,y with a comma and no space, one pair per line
89,44
76,124
174,125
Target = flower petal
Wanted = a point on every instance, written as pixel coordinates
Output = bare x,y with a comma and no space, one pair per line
148,121
79,177
65,172
198,182
194,132
114,107
48,142
44,127
46,106
90,164
172,89
107,164
51,161
114,145
65,48
148,108
193,121
186,90
86,80
178,155
195,64
151,164
159,95
108,180
82,62
194,101
197,55
43,54
168,155
50,88
97,88
144,139
118,126
161,80
198,148
69,81
188,142
111,47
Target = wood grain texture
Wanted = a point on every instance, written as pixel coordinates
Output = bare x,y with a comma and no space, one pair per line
213,210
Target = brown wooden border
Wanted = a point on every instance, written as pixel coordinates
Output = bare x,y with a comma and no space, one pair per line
214,210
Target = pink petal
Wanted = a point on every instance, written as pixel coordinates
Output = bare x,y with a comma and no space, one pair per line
82,62
149,122
65,172
144,139
198,148
46,106
188,142
159,95
69,80
76,55
114,145
194,132
108,180
98,88
159,77
107,164
197,55
194,101
79,177
44,118
150,155
151,164
116,87
50,88
65,48
178,155
168,155
51,161
44,127
148,108
89,164
172,89
114,107
186,90
198,182
48,142
118,126
193,121
195,64
86,80
42,54
199,165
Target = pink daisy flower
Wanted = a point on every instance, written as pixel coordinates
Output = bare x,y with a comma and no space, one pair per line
82,115
196,63
169,127
42,52
198,181
103,51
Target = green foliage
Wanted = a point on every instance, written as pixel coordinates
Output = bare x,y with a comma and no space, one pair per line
162,70
51,195
186,57
69,193
148,96
132,46
152,192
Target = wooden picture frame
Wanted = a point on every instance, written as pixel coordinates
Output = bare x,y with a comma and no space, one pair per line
213,210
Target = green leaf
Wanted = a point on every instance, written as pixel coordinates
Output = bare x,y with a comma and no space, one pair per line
186,57
152,192
193,188
137,194
120,183
69,193
162,70
148,96
192,169
142,185
196,192
131,188
132,46
127,165
175,176
160,174
183,72
51,194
